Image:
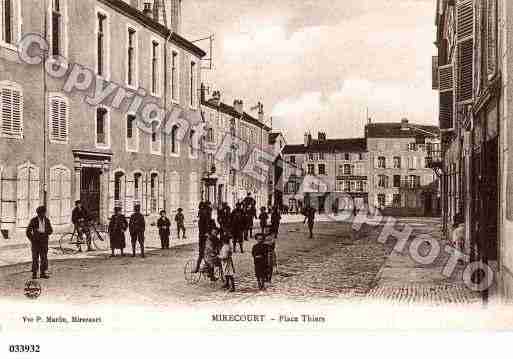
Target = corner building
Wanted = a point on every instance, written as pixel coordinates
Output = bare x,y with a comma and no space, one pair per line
56,148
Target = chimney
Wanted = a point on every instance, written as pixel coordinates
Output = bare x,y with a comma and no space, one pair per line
261,112
216,98
148,9
306,139
309,138
321,136
238,105
174,15
404,124
369,121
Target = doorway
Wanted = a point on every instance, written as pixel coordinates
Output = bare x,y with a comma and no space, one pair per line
90,191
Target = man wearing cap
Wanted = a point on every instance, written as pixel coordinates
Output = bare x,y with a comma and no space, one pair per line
137,226
38,232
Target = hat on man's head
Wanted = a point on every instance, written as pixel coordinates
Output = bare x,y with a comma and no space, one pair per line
77,202
260,237
41,210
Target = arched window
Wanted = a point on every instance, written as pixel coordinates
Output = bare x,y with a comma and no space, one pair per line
174,139
11,110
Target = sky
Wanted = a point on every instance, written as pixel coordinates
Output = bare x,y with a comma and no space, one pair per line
318,65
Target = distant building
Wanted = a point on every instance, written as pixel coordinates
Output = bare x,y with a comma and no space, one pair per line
320,167
278,142
388,169
401,181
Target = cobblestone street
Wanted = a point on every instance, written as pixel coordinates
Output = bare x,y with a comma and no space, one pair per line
332,266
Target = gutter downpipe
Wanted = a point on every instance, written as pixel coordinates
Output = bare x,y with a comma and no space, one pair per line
45,149
165,113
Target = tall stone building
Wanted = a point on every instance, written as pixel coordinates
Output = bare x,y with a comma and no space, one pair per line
227,178
60,141
473,75
401,180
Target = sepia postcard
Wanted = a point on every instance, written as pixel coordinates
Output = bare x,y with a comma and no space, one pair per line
244,166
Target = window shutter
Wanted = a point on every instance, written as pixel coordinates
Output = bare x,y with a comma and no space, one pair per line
160,197
22,196
129,199
434,72
446,96
58,111
465,50
55,195
66,196
492,37
111,193
11,106
145,192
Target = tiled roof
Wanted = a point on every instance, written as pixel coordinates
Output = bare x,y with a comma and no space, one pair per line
330,145
394,130
230,110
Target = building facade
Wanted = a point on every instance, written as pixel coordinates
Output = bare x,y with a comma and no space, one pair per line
318,171
473,73
401,180
388,169
62,139
235,133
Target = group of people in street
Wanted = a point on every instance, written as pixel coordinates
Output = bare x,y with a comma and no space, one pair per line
218,242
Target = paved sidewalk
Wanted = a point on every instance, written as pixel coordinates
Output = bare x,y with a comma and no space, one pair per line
19,251
404,281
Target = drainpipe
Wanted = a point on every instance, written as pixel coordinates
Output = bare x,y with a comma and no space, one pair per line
164,139
43,72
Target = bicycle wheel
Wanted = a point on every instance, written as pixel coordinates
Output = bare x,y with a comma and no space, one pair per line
190,277
69,243
100,240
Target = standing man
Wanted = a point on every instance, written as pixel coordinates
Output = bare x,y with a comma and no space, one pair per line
310,218
80,220
164,225
137,226
180,223
275,221
249,204
204,222
38,232
238,227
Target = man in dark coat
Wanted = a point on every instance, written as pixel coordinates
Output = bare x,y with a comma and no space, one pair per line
238,227
310,218
275,221
260,254
223,218
204,225
137,226
117,228
38,232
164,225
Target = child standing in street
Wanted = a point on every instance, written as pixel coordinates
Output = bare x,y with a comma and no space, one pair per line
163,225
179,219
260,259
225,256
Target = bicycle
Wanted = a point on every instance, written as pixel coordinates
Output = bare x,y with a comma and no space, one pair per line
193,278
72,242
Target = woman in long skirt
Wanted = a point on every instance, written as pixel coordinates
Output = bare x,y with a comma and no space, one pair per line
117,228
